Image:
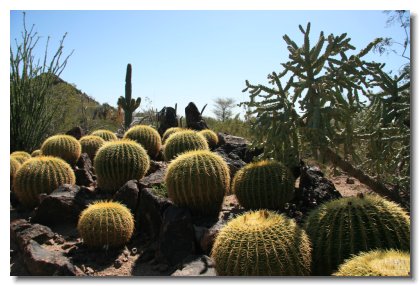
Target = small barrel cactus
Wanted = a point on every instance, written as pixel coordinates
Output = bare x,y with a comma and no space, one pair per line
105,224
344,227
14,167
36,153
117,162
64,146
264,185
41,174
377,263
262,243
21,156
90,144
171,131
147,137
199,181
211,137
105,134
183,141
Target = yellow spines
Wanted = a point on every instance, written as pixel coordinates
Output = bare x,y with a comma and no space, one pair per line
65,147
105,134
21,156
147,137
90,144
169,132
14,167
211,137
36,153
183,141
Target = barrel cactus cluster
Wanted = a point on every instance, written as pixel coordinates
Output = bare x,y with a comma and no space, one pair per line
38,175
21,156
262,243
65,147
14,167
169,132
105,223
146,136
117,162
342,228
105,134
36,153
183,141
263,185
211,137
90,144
199,181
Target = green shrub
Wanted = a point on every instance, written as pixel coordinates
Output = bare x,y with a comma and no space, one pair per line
90,144
262,243
65,147
147,137
183,141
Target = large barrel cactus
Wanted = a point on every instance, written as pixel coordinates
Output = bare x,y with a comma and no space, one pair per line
199,181
14,167
41,174
90,144
105,224
263,185
211,137
105,134
262,243
147,137
344,227
171,131
183,141
64,146
117,162
21,156
377,263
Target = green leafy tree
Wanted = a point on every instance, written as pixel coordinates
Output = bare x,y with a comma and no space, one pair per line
223,108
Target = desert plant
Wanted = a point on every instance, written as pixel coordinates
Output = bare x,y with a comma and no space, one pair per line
169,132
146,136
264,185
21,156
344,227
36,153
377,263
41,174
184,141
90,144
199,181
105,134
262,243
211,137
117,162
105,224
64,146
128,104
14,167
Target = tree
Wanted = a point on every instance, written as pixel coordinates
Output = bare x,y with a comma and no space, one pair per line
223,108
31,107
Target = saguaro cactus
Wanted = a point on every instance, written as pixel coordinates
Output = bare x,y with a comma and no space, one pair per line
127,103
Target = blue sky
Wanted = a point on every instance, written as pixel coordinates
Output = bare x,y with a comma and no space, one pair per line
183,56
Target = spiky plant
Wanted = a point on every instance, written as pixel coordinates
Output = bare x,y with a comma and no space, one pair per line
183,141
117,162
90,144
147,137
65,147
105,134
41,174
262,243
14,167
21,156
344,227
105,224
377,263
265,184
171,131
211,137
36,153
199,181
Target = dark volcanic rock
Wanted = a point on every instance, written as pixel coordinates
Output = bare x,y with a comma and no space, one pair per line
84,171
155,178
167,119
84,162
193,118
156,166
233,164
197,266
176,238
22,232
77,132
128,195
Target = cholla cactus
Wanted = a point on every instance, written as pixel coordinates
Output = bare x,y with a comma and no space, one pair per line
183,141
65,147
147,137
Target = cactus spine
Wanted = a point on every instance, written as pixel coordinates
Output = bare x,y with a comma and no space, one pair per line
21,156
36,153
147,137
90,144
211,137
117,162
377,263
41,174
183,141
105,134
105,224
344,227
262,243
64,146
171,131
128,104
264,184
14,167
198,180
